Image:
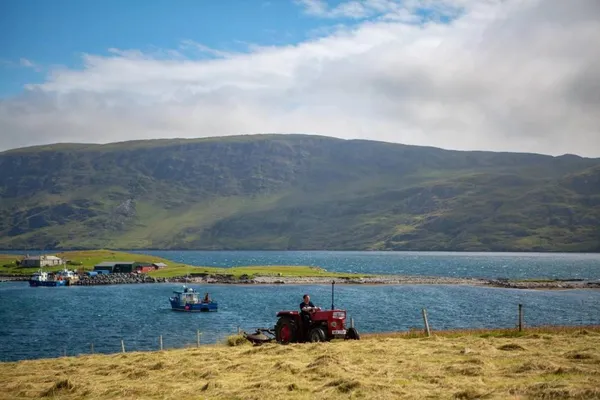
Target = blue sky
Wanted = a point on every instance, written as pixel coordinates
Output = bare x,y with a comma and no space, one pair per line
505,75
52,33
39,35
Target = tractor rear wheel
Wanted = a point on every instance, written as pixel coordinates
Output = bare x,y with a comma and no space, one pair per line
352,334
317,335
285,330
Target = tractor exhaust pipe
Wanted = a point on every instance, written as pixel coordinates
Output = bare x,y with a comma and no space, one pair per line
332,290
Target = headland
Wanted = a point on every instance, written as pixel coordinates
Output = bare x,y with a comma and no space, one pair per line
84,262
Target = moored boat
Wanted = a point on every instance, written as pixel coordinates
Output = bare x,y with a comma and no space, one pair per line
70,277
42,278
189,300
61,278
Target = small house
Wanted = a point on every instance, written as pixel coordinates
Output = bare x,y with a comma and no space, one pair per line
42,261
144,269
159,265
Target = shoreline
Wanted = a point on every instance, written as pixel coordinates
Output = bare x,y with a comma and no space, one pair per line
399,280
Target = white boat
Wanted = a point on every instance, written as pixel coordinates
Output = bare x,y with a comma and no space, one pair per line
66,275
39,278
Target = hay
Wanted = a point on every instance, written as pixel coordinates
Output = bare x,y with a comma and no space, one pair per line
494,367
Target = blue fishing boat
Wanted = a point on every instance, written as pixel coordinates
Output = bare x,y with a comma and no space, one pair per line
61,278
189,300
42,278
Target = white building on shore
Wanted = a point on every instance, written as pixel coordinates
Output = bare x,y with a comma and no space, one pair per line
42,261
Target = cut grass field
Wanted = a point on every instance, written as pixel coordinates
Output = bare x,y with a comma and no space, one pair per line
540,363
89,258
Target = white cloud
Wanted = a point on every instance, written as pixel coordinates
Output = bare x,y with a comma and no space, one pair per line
314,7
26,63
399,10
351,9
509,75
22,63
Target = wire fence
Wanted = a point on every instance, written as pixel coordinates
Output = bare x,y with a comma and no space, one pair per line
171,342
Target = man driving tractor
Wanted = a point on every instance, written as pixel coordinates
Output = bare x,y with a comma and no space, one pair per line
306,309
311,324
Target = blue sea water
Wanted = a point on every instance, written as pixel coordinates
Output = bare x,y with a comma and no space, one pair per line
450,264
46,322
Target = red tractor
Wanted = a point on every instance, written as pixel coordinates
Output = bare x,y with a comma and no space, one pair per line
323,325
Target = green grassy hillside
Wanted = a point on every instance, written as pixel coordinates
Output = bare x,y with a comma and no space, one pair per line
295,192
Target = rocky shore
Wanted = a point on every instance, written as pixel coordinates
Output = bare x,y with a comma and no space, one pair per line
393,280
389,280
13,277
545,284
372,280
117,279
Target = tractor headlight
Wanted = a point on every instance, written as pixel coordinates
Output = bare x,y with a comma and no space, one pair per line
339,314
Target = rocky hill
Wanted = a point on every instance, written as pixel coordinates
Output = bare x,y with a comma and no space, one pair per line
295,192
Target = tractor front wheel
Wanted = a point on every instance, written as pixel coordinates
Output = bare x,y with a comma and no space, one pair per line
352,334
285,330
317,335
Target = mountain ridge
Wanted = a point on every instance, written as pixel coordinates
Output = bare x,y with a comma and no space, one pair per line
294,191
178,141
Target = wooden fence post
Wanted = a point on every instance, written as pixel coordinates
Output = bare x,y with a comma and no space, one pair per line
351,322
122,346
198,337
92,348
427,330
161,342
520,317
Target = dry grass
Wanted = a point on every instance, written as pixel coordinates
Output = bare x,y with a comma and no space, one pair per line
530,332
561,364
